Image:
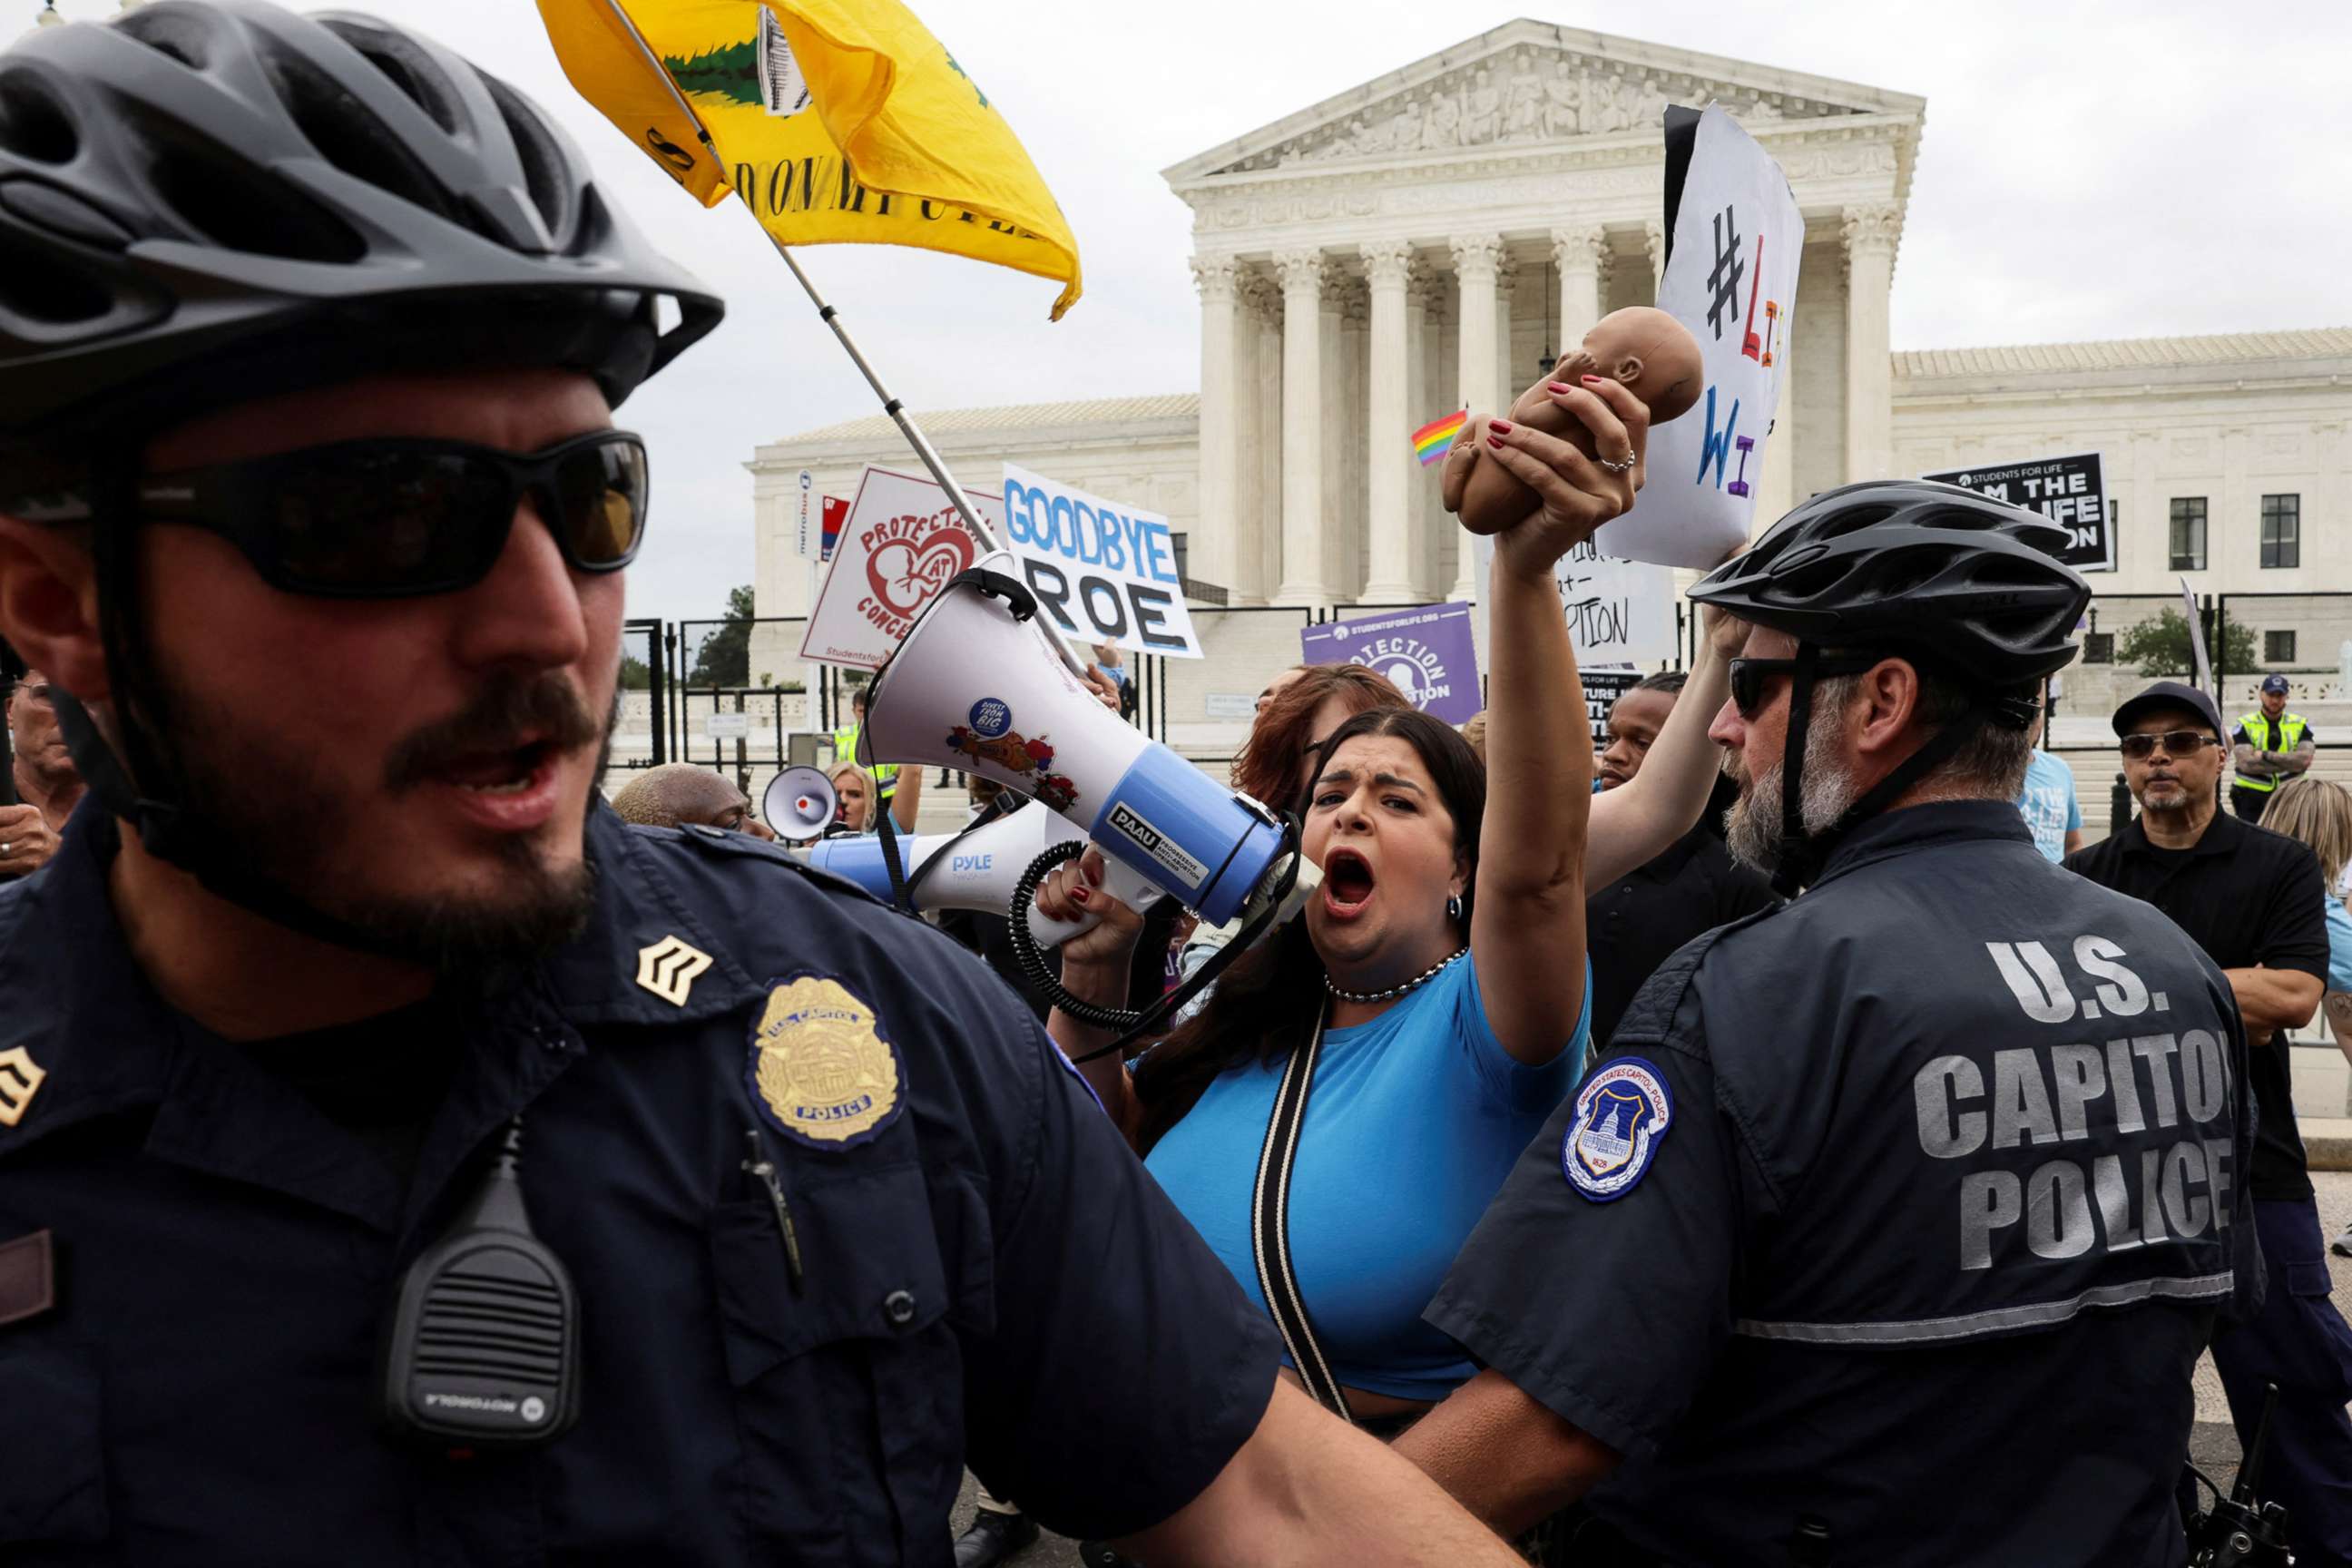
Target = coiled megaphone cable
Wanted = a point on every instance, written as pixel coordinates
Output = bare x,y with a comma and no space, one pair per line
1134,1023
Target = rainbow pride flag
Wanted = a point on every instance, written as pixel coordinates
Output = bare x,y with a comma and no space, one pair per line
1429,442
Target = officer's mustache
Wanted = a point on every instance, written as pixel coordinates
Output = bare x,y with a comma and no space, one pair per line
543,714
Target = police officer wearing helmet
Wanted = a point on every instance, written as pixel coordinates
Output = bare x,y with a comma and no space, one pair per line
1890,1227
402,1158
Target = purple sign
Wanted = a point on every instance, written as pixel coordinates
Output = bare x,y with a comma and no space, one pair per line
1429,653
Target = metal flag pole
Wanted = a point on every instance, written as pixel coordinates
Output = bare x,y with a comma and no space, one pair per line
830,316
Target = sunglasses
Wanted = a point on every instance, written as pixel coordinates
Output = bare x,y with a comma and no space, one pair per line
2175,743
1748,675
397,519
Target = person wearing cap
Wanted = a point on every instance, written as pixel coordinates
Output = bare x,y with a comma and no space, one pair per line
2256,902
403,1160
1890,1225
2270,744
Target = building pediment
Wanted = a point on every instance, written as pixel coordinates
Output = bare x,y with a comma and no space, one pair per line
1527,84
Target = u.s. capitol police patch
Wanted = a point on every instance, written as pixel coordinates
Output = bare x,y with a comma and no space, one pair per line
819,1065
1623,1112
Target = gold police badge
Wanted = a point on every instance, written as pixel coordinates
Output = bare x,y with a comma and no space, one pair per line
820,1067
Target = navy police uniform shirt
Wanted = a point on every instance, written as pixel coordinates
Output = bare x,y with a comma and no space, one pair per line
1905,1208
985,1272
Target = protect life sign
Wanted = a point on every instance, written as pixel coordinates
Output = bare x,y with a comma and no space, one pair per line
2069,491
1103,571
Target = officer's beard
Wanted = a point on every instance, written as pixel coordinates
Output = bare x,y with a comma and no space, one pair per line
280,821
1752,828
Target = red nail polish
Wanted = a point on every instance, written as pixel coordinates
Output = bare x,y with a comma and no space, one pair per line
1559,386
1495,442
1593,381
1077,895
1499,427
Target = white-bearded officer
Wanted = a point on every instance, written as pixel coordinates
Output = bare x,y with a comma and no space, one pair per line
1891,1227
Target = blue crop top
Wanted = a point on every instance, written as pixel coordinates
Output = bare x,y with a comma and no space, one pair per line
1415,1120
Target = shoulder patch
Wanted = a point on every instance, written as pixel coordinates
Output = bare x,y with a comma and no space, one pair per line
819,1068
1623,1112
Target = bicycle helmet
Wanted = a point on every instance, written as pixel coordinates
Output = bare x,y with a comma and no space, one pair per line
1970,586
207,201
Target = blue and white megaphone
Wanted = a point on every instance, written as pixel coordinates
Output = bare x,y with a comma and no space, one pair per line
979,685
981,870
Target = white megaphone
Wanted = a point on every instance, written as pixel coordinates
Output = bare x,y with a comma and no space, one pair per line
978,685
799,802
980,870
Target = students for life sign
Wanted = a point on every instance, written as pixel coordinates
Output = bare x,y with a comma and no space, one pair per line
1731,279
2070,492
901,543
1103,571
1429,654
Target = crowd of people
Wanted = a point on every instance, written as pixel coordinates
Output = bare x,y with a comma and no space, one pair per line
1768,1137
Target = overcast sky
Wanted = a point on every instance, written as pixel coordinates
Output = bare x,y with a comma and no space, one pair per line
2087,170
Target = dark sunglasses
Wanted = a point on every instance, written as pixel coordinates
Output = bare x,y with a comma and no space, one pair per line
2176,742
395,519
1748,675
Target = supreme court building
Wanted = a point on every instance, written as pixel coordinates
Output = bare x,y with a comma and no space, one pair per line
1423,241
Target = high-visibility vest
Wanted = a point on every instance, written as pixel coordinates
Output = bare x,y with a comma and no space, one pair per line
845,750
2257,726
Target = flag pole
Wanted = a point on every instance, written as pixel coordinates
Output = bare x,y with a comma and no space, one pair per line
832,318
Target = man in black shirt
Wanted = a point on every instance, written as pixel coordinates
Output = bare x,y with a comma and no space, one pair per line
2253,900
1633,925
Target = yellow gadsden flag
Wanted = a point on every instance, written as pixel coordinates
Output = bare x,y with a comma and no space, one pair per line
834,121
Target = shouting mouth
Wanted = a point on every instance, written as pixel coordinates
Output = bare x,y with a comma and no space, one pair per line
1347,884
508,789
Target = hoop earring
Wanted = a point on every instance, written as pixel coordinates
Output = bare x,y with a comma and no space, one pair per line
1453,908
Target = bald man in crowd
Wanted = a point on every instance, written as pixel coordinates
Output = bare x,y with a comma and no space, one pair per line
678,794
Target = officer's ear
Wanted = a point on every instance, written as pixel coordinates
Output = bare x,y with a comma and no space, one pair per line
48,604
1888,696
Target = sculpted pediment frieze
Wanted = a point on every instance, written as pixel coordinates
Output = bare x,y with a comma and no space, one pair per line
1529,94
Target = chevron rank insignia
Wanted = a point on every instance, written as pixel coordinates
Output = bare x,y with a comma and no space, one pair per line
669,968
20,1079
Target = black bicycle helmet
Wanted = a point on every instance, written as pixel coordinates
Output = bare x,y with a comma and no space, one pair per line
1911,565
205,201
1968,587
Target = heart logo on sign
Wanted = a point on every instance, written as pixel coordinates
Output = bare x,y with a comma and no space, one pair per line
905,573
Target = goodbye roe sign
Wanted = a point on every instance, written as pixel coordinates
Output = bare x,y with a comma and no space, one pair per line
1104,571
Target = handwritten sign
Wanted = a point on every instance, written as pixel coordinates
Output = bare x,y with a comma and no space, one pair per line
1731,279
901,543
1104,571
1619,612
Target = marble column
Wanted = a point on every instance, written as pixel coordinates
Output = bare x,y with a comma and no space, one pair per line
1262,453
1343,433
1577,255
1306,570
1389,376
1216,538
1426,518
1509,373
1870,233
1478,260
1653,246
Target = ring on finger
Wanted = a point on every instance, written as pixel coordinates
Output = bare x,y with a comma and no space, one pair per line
1626,466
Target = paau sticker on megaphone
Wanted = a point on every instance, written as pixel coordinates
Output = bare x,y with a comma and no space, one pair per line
799,802
980,870
977,687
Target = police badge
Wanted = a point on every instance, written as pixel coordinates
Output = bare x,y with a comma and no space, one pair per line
1622,1113
819,1068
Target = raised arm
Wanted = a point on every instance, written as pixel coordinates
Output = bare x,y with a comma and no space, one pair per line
1095,968
1528,919
1634,823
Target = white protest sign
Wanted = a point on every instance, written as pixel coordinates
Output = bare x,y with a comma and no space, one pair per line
1619,612
725,726
902,543
1102,571
1732,280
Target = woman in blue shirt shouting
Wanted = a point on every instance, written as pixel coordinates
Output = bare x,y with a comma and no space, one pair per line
1429,1006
